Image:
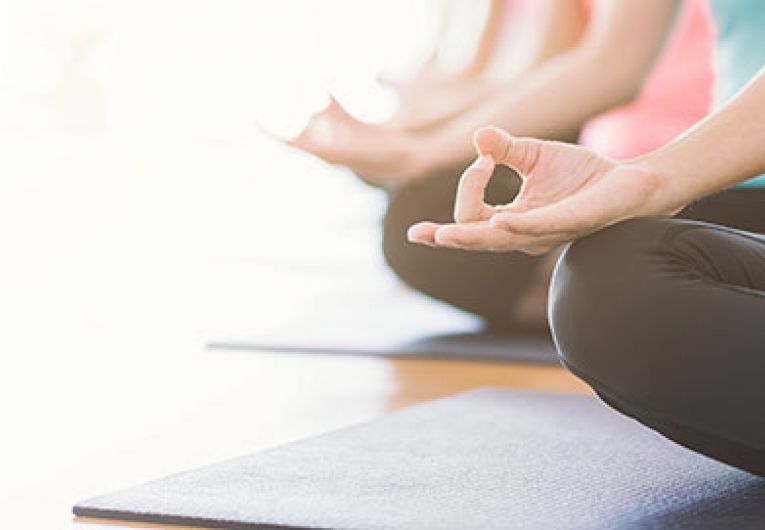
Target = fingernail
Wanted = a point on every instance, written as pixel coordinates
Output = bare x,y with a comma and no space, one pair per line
420,242
411,234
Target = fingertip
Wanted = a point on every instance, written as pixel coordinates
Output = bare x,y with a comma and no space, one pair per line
422,233
299,141
482,140
491,141
413,233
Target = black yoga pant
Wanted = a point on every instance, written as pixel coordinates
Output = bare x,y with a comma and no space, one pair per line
483,283
665,319
486,283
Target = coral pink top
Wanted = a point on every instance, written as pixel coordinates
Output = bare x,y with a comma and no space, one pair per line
677,94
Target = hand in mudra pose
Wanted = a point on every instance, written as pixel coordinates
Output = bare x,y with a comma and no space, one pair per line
377,154
568,191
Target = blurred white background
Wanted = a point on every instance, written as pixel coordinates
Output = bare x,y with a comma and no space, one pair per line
139,204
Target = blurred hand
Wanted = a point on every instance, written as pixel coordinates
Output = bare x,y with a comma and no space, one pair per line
433,97
376,154
568,192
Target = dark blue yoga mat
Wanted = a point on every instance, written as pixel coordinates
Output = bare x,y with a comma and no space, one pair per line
491,459
384,319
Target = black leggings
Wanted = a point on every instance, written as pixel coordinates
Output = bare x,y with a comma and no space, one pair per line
483,283
486,283
665,319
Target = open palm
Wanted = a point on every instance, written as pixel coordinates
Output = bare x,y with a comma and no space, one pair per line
568,191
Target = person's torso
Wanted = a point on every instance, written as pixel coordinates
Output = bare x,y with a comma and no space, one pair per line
716,48
676,94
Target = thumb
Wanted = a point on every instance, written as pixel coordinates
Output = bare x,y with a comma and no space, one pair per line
564,217
522,154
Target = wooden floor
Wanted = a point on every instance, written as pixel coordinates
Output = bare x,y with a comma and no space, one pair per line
145,254
345,390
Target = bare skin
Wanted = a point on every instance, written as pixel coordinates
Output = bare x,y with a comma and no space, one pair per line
570,191
595,188
438,110
574,78
433,96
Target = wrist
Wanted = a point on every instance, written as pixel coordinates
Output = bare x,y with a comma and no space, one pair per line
662,198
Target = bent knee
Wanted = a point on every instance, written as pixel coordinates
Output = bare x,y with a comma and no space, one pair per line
599,296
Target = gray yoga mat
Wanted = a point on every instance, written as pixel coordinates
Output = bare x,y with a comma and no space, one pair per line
490,459
384,321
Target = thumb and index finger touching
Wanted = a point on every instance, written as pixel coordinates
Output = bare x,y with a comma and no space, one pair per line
494,146
522,154
469,204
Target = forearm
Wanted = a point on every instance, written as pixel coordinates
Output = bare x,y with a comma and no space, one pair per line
487,44
605,69
562,24
726,148
551,102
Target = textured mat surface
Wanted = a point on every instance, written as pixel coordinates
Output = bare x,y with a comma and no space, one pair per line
382,320
490,459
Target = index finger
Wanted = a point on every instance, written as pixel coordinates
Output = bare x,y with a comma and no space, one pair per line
469,204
